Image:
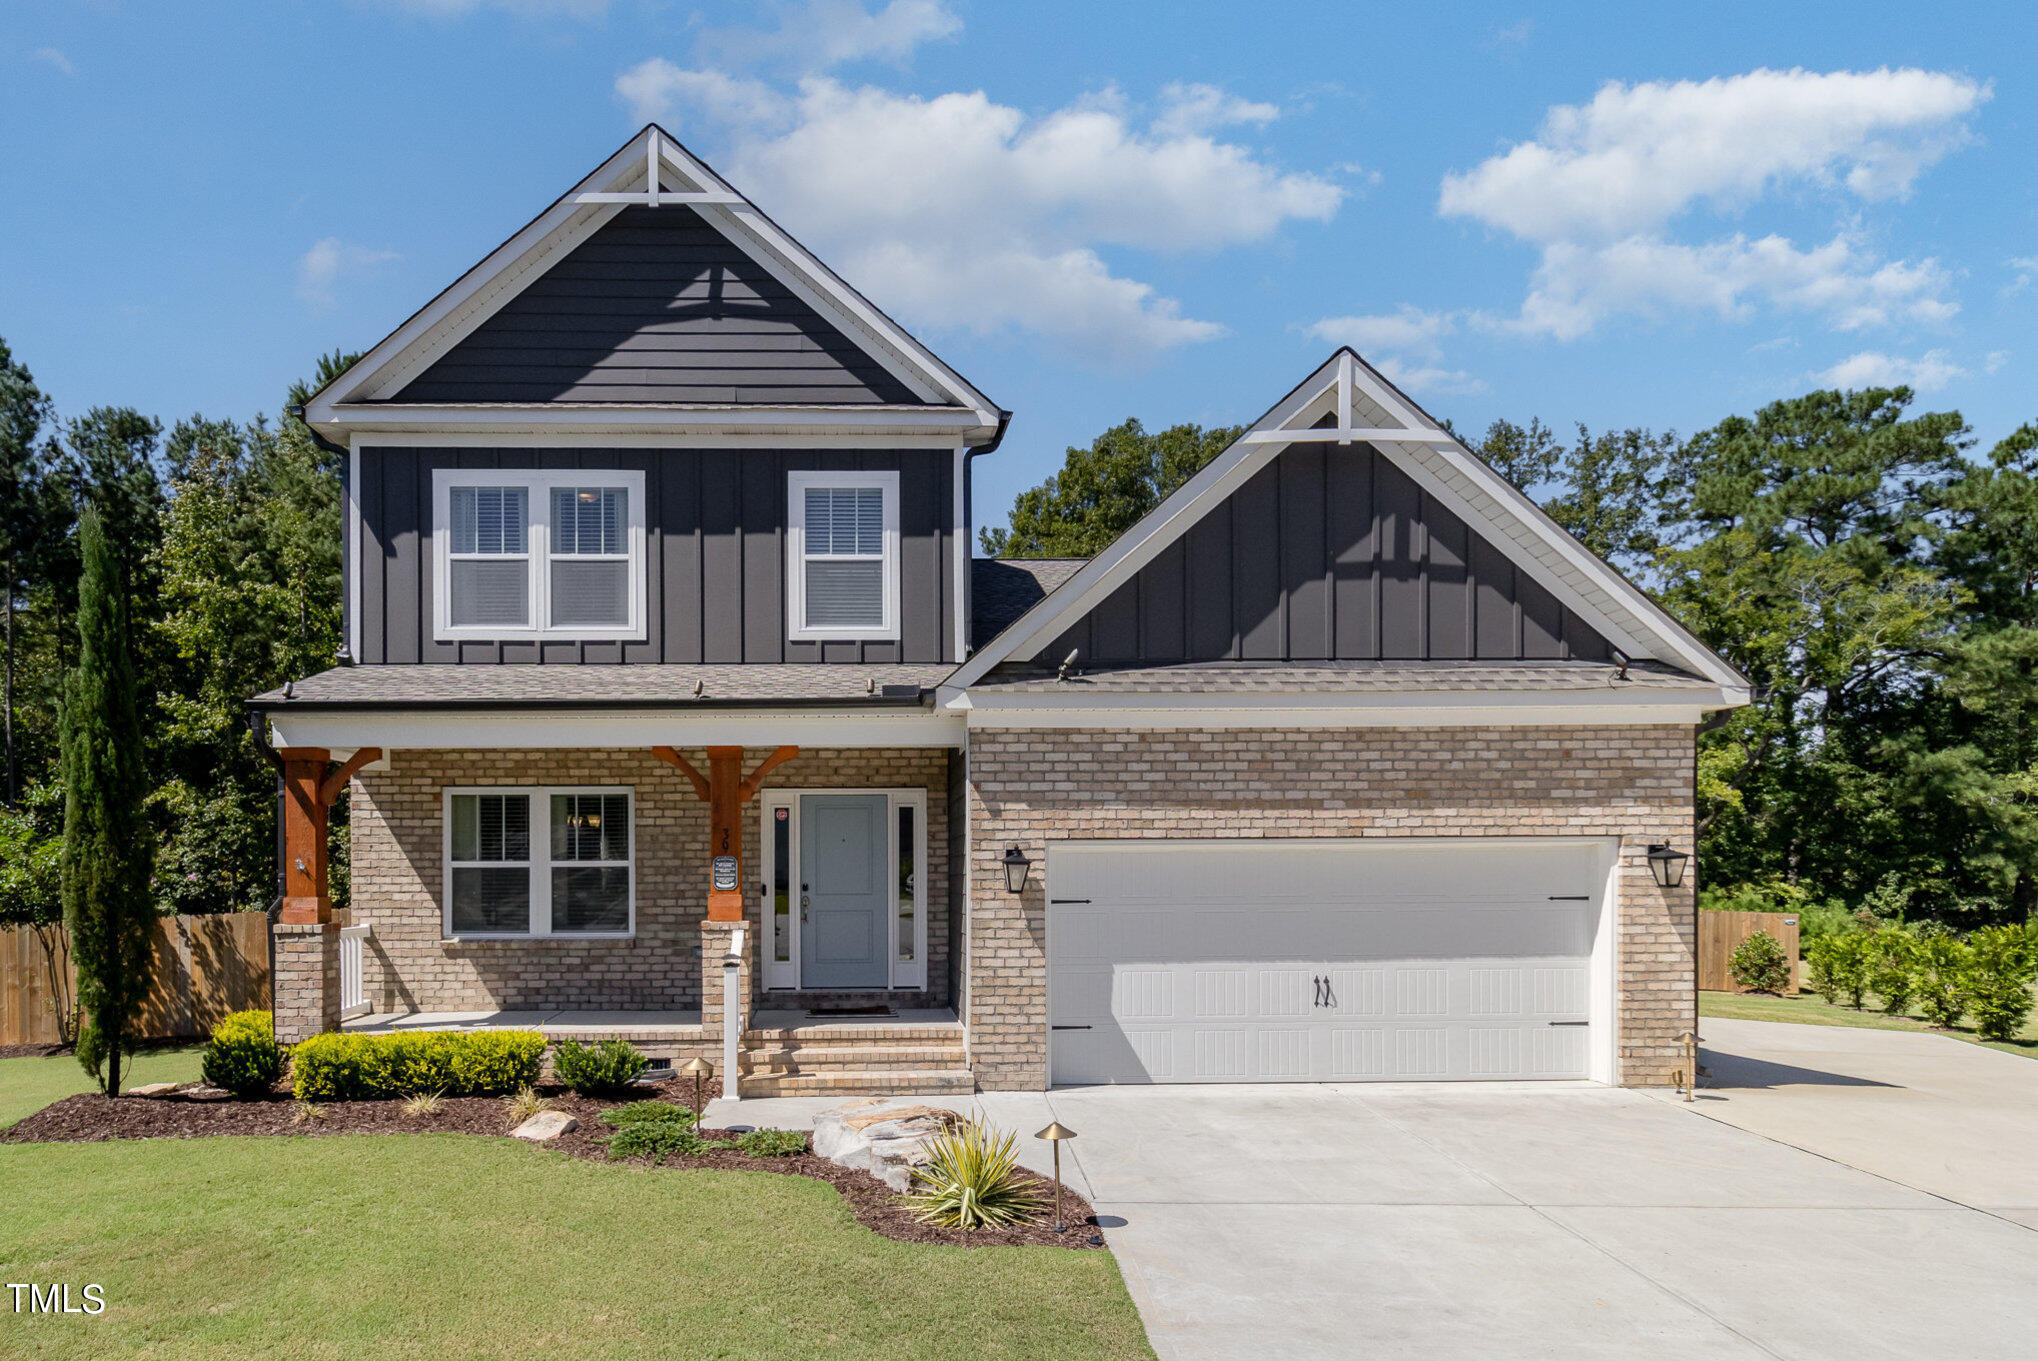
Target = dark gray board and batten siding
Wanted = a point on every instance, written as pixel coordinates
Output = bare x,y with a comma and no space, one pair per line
657,306
1329,553
715,527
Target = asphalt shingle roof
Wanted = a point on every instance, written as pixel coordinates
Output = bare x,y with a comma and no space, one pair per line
1340,678
403,685
1002,589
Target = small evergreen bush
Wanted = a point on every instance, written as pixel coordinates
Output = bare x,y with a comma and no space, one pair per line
242,1056
646,1112
1892,972
659,1140
1823,967
1760,965
602,1069
773,1143
2003,960
1840,967
1940,967
341,1067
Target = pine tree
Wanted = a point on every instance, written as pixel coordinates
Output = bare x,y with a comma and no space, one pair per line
107,840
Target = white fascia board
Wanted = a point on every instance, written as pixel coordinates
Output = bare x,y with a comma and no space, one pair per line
551,729
706,427
1391,709
767,440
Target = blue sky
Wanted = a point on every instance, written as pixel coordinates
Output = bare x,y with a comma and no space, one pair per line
1620,214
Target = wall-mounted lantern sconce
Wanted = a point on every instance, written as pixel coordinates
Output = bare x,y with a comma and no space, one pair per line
1017,866
1667,865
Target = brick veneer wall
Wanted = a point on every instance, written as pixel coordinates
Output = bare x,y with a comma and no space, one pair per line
398,871
1033,786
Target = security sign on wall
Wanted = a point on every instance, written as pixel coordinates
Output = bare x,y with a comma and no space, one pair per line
722,872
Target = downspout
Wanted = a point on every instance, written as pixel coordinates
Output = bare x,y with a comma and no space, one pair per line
960,992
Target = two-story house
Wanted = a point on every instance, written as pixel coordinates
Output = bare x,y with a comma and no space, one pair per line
675,707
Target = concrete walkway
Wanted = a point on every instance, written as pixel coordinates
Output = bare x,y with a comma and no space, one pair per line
1494,1221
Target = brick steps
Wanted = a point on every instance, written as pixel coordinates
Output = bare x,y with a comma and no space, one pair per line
854,1082
843,1058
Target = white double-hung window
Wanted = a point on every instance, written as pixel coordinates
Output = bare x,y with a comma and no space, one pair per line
538,554
538,862
842,556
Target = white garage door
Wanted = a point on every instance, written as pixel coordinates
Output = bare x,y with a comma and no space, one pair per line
1315,960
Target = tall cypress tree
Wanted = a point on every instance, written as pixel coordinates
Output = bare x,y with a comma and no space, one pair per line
108,845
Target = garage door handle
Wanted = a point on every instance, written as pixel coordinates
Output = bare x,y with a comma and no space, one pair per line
1570,1023
1068,900
1570,897
1068,1027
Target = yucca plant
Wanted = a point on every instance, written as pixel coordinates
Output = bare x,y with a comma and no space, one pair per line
971,1182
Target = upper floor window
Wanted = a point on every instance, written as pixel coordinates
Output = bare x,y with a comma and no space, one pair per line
539,554
842,556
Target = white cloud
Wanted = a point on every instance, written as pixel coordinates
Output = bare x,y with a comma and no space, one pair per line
1639,155
51,56
819,34
1410,330
2023,269
1994,360
1599,188
1872,369
959,211
327,262
1191,110
1426,378
1577,286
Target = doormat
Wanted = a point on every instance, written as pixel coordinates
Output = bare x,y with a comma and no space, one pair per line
879,1010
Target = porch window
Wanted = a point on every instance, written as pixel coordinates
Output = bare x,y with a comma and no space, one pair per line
573,878
535,554
843,550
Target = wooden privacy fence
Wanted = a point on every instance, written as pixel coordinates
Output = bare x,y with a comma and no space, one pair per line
1721,933
205,967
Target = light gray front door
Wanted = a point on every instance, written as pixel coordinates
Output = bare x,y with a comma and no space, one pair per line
843,891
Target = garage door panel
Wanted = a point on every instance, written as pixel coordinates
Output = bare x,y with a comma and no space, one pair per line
1201,962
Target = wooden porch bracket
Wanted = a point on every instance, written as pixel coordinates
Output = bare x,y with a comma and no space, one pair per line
725,789
310,786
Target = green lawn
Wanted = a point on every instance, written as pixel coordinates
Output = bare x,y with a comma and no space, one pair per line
1811,1009
451,1246
27,1085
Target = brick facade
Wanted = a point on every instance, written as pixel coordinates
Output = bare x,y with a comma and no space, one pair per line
397,865
307,982
1032,786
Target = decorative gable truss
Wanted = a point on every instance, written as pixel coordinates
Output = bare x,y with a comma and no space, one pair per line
466,361
1346,525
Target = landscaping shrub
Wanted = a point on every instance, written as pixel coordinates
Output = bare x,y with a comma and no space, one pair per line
773,1143
659,1140
972,1181
642,1112
340,1067
1892,973
2003,961
242,1055
1840,967
602,1069
1940,968
1760,965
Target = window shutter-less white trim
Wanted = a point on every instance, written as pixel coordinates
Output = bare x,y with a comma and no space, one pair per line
528,554
842,556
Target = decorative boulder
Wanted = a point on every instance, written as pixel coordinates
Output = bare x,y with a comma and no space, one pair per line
545,1125
155,1089
882,1138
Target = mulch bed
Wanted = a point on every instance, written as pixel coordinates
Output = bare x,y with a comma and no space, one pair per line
91,1118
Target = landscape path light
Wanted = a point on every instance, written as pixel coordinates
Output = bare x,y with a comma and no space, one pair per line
702,1070
1055,1132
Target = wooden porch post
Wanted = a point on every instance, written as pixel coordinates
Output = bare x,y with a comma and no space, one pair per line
310,786
725,789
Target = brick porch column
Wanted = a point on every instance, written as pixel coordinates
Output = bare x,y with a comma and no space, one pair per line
305,991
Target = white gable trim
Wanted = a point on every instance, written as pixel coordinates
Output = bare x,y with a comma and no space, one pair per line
651,168
1347,391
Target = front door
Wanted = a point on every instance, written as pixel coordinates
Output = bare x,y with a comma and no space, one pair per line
843,891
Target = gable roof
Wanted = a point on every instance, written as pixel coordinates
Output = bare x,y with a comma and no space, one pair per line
1347,401
651,171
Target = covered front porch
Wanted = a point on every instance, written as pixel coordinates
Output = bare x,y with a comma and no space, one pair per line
633,870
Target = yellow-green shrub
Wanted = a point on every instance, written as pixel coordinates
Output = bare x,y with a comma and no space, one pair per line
340,1067
242,1055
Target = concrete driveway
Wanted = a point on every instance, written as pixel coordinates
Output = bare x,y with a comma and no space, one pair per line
1489,1221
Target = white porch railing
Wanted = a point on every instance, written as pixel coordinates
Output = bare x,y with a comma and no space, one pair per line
353,991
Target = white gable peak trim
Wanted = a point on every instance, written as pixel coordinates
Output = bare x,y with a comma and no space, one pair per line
1346,400
651,169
